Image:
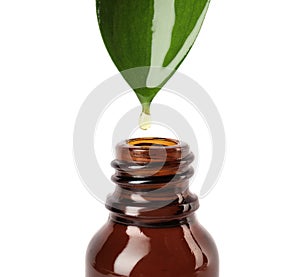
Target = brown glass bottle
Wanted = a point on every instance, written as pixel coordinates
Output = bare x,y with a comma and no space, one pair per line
152,230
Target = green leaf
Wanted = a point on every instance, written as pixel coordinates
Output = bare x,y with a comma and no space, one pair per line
156,34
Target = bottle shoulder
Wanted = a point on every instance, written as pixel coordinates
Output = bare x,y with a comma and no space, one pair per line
129,250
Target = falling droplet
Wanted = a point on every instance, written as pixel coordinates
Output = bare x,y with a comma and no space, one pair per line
145,117
145,121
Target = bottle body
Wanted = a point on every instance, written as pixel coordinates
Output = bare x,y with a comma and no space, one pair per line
185,250
152,230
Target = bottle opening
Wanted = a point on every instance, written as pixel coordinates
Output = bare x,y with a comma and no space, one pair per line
151,149
152,142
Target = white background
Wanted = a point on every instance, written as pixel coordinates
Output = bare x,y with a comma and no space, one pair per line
247,57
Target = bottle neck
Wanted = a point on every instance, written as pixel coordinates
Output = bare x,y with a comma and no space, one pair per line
152,178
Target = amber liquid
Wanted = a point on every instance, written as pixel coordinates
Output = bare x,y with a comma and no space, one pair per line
152,229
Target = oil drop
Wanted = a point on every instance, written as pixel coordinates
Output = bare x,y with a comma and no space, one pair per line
145,121
145,117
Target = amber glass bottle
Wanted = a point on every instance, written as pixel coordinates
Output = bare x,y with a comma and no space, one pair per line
152,230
